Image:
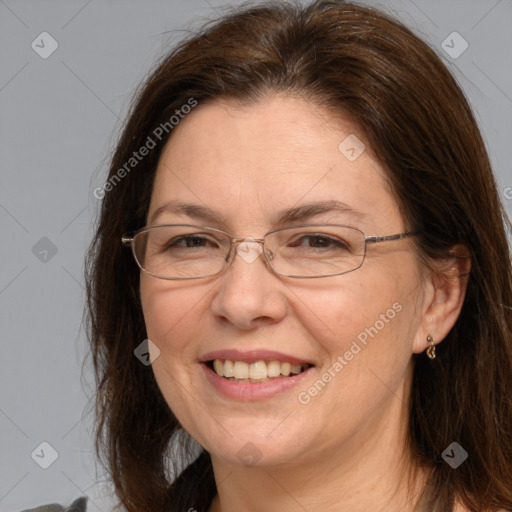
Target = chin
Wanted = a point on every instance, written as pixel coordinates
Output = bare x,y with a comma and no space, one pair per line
255,443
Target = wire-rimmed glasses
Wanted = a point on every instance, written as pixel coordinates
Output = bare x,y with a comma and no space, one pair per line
186,251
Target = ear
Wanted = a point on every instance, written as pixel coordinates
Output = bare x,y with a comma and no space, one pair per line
445,290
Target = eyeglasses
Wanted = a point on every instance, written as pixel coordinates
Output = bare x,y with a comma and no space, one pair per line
185,251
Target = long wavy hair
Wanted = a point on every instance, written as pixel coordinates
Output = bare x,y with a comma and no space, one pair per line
363,65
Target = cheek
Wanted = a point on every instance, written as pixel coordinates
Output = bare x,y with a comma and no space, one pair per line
365,329
367,325
170,313
356,310
169,310
159,312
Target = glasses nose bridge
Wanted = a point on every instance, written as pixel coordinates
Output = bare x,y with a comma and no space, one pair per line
247,239
236,241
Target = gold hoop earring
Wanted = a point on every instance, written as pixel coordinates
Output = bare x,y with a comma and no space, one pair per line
431,351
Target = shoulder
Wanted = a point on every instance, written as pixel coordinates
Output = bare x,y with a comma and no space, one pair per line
79,505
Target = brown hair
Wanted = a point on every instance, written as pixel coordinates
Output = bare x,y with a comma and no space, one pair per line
358,63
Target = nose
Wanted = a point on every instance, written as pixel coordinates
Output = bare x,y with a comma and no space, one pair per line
249,293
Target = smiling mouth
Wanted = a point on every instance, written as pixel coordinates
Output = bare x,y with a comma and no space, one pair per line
257,372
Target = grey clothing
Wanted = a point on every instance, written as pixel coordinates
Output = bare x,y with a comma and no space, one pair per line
79,505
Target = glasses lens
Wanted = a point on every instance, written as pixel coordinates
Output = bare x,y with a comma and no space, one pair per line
314,251
181,251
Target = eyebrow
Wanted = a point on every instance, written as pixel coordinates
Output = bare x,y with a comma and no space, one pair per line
299,213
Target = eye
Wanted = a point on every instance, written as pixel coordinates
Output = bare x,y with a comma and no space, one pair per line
189,241
320,241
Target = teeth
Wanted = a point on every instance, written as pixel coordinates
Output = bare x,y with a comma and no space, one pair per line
285,369
217,366
241,370
227,369
295,368
274,369
260,370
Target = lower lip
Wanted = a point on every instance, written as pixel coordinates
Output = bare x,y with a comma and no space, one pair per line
248,391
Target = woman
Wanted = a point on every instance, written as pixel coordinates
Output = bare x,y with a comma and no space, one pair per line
318,290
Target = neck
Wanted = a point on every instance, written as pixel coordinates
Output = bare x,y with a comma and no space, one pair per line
373,470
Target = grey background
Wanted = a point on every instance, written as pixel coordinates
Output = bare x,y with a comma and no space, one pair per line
59,118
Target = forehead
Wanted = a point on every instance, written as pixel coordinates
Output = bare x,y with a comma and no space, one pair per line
247,161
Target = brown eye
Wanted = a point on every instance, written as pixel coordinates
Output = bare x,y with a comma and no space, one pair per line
320,241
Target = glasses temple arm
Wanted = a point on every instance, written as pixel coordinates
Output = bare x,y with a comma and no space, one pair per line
377,239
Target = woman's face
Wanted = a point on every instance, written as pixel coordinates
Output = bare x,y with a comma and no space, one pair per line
357,330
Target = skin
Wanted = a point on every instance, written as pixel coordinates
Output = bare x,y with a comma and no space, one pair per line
345,449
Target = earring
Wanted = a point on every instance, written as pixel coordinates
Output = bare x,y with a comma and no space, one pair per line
431,350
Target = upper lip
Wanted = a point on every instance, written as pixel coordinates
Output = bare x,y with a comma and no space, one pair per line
251,356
